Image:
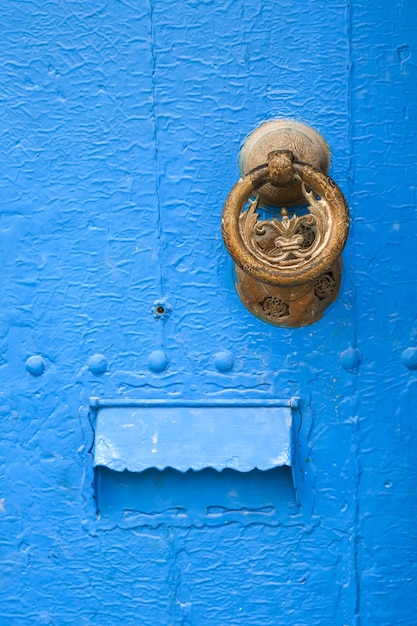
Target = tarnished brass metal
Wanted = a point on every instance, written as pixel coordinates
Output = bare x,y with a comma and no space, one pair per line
281,173
305,143
288,267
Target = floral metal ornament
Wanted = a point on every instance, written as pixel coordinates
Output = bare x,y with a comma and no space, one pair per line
291,241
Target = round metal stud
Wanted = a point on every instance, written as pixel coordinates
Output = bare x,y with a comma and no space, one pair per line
158,361
35,365
97,364
224,361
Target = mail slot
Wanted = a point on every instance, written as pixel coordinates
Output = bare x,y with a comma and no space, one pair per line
193,463
138,435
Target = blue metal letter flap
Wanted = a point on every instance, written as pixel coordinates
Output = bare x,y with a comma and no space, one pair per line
137,435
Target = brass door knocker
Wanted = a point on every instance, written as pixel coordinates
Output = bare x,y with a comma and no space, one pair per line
288,267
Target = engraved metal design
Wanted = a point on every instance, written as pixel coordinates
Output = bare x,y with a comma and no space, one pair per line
306,144
325,286
275,308
289,307
291,242
288,268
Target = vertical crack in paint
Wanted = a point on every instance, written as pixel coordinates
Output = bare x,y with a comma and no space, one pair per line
355,433
156,145
171,574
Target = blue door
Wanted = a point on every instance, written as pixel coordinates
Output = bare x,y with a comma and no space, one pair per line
121,127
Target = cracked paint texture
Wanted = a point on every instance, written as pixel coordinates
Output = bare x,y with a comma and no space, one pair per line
120,128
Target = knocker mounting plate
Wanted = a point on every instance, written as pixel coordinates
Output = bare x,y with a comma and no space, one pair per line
304,142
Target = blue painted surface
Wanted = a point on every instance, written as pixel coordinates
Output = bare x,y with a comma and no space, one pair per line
193,435
202,499
120,130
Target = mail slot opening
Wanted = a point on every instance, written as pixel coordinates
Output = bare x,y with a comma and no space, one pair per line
204,497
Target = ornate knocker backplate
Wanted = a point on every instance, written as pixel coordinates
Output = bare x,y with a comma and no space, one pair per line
288,262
